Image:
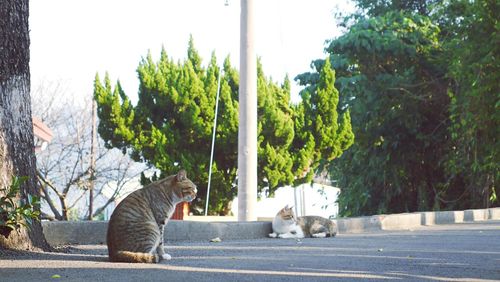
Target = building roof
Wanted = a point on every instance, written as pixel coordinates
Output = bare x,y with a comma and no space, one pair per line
41,131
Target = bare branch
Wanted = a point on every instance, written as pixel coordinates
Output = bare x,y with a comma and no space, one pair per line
48,183
76,201
64,165
46,196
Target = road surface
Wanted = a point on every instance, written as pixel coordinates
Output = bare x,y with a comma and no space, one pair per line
457,252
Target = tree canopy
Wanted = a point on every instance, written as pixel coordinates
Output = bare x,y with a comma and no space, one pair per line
419,80
171,125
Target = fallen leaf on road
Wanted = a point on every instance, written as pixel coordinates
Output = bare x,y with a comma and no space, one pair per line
56,276
215,240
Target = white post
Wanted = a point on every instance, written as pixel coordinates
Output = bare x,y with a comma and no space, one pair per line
247,132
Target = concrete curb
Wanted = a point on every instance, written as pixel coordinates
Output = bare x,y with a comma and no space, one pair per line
94,232
408,221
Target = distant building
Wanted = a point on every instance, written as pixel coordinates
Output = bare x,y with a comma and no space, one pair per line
42,133
306,199
317,199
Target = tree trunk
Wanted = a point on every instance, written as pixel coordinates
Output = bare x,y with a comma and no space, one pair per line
17,156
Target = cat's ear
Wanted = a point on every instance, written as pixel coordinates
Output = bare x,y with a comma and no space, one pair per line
290,208
181,175
286,207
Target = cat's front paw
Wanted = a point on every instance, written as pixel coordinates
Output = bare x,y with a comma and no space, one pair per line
166,257
319,235
273,235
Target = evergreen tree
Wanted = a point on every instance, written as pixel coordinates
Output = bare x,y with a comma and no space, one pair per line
171,125
322,137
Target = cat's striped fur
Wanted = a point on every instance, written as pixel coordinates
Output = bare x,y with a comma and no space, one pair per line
135,229
285,225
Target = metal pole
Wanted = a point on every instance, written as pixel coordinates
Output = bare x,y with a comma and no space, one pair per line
93,152
247,132
213,141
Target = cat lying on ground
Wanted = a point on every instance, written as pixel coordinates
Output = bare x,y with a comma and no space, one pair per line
135,229
285,225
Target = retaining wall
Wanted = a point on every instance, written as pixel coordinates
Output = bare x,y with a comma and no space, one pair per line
94,232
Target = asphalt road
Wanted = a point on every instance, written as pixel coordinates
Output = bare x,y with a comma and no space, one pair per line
459,252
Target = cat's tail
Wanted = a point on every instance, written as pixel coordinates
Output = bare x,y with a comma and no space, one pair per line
126,256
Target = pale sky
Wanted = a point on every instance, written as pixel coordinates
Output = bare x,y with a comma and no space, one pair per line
71,40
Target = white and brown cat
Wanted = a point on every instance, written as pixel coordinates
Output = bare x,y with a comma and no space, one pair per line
135,229
286,225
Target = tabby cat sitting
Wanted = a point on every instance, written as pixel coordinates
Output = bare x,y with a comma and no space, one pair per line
285,225
135,229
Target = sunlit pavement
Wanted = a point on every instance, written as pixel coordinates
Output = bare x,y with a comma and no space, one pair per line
458,252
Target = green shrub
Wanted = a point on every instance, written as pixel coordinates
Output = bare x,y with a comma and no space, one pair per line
15,213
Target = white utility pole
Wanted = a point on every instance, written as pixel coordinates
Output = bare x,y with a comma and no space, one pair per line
247,131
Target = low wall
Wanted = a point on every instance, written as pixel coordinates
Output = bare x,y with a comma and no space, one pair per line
94,232
407,221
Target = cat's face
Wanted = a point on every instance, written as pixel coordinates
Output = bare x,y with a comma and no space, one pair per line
184,188
286,213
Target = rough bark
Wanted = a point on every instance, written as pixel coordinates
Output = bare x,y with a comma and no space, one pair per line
17,156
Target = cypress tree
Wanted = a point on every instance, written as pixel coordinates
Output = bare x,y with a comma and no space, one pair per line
171,125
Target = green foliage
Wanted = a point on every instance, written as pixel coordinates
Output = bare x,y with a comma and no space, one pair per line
380,7
475,101
15,214
321,136
276,132
420,80
395,96
171,125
